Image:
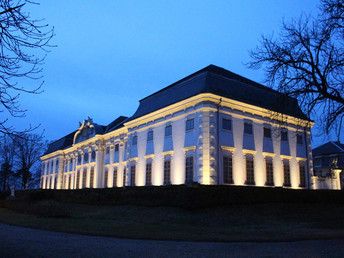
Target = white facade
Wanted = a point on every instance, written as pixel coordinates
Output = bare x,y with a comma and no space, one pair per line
206,138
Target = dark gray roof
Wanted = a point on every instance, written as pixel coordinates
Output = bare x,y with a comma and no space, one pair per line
328,148
117,123
61,144
67,141
213,79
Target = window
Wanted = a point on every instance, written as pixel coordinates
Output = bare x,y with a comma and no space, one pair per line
124,176
286,172
284,135
226,124
91,177
132,175
135,140
149,173
107,150
77,179
86,157
93,155
299,139
84,175
150,136
114,177
302,176
70,183
71,165
167,172
267,132
227,170
189,169
269,173
249,172
117,147
106,175
317,162
189,124
168,130
248,128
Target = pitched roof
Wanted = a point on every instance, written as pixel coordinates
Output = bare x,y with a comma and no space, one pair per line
61,144
328,148
67,141
117,123
213,79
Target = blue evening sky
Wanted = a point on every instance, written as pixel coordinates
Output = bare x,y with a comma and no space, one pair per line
111,54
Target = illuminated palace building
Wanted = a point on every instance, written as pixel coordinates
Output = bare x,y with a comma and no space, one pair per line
212,127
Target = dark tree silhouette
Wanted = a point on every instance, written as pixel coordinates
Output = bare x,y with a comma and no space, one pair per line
23,46
28,149
306,61
6,160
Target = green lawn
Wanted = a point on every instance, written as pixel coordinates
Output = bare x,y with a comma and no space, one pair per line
237,222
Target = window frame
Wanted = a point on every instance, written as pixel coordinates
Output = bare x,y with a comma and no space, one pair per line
248,128
227,121
168,130
188,123
150,136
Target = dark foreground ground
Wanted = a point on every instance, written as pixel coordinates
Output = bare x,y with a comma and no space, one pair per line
24,242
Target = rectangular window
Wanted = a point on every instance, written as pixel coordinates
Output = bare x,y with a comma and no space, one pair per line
167,172
249,172
132,175
267,132
299,139
116,147
227,170
302,176
71,165
189,169
150,136
70,182
77,179
114,177
168,130
91,177
248,128
284,135
286,172
106,175
226,124
190,124
149,173
124,176
135,140
84,176
317,162
269,173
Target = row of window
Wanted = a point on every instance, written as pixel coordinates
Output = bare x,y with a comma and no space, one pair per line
228,172
248,130
190,125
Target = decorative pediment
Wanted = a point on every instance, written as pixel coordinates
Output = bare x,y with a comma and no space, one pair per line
85,131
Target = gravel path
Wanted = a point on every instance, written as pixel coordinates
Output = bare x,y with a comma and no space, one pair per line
25,242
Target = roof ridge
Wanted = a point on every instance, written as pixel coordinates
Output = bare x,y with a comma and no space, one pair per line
337,146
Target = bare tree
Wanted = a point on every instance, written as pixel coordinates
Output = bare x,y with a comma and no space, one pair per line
22,42
306,61
28,149
7,153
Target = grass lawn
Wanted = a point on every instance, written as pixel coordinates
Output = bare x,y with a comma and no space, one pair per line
237,222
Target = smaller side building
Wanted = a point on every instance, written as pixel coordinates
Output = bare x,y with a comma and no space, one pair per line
329,166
